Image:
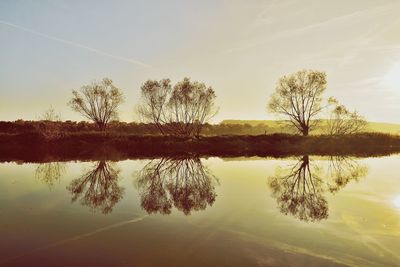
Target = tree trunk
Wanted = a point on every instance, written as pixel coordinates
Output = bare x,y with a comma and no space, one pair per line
305,130
102,126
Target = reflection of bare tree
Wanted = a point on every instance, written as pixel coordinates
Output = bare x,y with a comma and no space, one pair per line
181,182
342,170
299,190
98,188
50,172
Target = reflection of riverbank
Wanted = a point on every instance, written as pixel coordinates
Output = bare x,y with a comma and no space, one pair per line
100,146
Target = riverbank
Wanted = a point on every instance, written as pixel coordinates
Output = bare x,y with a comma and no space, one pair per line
33,147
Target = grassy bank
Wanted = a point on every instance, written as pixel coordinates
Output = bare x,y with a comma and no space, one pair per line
96,145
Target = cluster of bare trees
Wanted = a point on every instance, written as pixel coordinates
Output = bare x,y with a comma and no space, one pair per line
299,98
184,108
181,110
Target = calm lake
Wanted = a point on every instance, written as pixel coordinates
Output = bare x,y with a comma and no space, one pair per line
297,211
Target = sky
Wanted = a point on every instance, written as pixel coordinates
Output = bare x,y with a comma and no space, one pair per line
239,47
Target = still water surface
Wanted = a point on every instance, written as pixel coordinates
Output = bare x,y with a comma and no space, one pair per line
305,211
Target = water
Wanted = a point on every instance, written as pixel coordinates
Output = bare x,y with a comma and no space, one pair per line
302,211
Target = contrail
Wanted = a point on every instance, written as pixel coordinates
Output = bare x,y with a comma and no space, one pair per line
74,238
91,49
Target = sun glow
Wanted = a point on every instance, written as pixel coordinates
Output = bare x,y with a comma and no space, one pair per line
396,202
392,78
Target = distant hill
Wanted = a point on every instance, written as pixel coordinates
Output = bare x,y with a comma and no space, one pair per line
278,125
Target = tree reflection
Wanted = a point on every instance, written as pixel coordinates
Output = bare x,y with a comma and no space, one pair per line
50,172
300,189
342,170
299,192
98,188
184,183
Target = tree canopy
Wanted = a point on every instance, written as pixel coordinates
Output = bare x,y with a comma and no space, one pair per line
181,110
342,121
298,97
98,102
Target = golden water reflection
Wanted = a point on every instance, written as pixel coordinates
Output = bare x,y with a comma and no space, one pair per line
188,185
331,220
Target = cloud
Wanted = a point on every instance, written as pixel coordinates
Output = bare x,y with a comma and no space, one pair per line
360,15
74,44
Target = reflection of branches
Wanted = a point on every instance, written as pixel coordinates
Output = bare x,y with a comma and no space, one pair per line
98,188
181,182
342,170
299,192
50,172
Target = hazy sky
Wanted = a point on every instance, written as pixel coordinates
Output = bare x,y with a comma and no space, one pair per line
240,47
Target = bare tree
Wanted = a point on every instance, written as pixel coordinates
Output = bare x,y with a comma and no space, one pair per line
181,110
153,106
50,126
298,96
98,102
50,115
342,121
